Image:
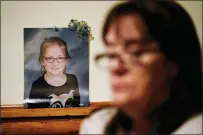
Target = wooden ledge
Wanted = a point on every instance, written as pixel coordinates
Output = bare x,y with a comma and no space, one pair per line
17,120
17,111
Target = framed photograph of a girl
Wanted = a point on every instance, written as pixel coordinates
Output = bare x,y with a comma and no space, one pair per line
56,68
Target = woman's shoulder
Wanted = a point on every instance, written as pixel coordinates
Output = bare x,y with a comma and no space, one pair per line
191,126
97,121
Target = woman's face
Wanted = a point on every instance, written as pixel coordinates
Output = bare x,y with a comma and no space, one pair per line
54,60
139,72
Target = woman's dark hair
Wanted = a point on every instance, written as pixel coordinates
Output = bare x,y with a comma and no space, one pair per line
170,25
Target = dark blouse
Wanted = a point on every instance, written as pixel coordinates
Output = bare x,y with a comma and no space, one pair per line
44,95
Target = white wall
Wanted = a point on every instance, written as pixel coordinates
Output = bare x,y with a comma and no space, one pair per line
16,15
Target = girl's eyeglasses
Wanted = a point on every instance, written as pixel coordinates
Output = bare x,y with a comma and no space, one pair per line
52,59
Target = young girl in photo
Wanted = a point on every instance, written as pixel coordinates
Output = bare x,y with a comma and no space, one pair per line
55,88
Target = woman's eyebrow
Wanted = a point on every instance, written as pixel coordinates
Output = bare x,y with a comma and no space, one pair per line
128,42
133,43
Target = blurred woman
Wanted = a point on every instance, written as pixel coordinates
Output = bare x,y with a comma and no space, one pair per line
154,59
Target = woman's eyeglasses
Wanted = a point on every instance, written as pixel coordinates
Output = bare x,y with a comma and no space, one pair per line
104,59
52,59
128,59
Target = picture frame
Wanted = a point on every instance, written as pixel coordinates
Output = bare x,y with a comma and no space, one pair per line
77,42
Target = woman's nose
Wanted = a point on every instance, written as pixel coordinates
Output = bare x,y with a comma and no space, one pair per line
117,67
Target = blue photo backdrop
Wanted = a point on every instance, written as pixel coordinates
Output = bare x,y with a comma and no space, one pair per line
78,64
